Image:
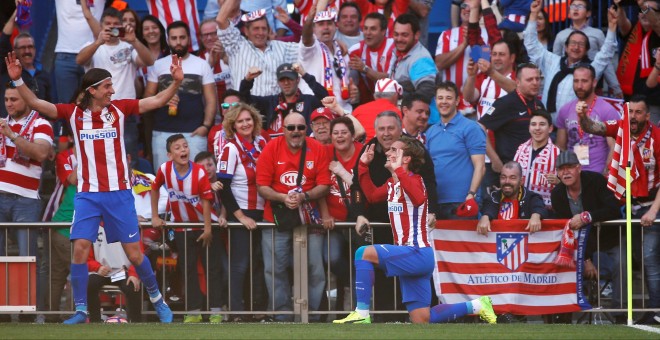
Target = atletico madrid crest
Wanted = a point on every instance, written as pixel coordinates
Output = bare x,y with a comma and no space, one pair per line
512,249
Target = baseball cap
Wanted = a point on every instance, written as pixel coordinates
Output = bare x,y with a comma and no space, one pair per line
567,157
286,71
388,85
325,16
469,208
323,112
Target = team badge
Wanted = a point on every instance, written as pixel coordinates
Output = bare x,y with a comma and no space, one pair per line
310,165
108,117
300,106
222,166
512,249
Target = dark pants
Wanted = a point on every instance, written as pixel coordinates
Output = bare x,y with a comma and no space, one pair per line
133,301
189,250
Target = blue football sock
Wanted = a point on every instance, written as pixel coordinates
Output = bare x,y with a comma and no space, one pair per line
147,276
79,280
364,281
446,313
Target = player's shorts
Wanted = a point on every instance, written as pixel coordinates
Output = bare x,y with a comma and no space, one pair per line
115,208
414,267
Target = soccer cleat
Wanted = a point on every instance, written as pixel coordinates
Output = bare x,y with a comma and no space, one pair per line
163,310
215,318
354,317
487,313
79,317
192,318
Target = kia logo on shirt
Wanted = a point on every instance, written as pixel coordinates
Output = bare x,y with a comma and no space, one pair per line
289,178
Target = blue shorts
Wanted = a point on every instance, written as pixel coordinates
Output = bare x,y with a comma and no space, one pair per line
115,208
414,267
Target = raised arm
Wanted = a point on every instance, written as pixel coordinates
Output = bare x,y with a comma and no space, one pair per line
308,28
226,9
14,70
160,99
94,24
589,125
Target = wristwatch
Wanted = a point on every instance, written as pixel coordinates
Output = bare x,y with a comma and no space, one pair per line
472,193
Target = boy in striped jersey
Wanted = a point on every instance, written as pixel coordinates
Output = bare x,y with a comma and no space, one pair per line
411,258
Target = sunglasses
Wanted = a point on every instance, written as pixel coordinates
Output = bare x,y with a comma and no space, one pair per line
228,105
292,127
648,8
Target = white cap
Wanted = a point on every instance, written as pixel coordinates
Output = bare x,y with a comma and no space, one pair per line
388,85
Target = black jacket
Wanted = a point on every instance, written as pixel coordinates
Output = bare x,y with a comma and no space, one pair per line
599,201
379,175
530,203
306,104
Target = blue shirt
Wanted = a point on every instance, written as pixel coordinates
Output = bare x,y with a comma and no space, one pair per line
451,146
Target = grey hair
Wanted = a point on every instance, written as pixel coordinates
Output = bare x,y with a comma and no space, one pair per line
22,35
379,95
513,165
388,114
208,20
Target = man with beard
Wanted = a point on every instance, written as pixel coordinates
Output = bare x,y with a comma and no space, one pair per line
558,70
34,76
192,111
645,153
372,58
277,171
583,197
594,152
253,49
323,57
512,202
275,108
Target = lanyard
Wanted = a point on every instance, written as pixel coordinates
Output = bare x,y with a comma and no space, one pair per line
529,111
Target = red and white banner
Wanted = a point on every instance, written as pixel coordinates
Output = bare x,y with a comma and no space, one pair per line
514,267
168,11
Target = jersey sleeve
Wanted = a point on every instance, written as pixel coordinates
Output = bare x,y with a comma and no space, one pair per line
128,106
265,171
496,116
63,167
64,111
160,178
612,127
227,162
204,185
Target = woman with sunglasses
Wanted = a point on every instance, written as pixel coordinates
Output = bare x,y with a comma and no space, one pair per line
216,139
237,172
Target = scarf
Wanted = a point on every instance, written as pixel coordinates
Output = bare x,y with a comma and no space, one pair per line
26,133
281,110
252,149
328,67
534,171
636,46
566,253
564,71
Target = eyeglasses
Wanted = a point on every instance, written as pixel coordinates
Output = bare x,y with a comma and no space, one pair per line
647,9
208,35
578,6
465,6
577,43
26,47
228,105
324,122
292,127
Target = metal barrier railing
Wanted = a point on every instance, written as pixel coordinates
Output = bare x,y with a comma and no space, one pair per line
300,295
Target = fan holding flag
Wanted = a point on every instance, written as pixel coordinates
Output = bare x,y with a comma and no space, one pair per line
637,146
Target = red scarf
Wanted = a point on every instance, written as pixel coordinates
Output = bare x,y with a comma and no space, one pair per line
252,149
565,256
281,110
328,74
636,49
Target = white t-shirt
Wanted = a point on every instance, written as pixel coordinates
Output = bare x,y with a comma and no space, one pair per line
121,61
311,59
192,65
72,28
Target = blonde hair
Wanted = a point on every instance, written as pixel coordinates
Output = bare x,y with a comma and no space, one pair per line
232,115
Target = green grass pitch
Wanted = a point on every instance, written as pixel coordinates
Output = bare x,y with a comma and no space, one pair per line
321,331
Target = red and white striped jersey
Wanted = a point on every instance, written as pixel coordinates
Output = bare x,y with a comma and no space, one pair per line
449,40
407,216
168,11
306,5
216,140
21,175
235,163
489,92
380,59
185,193
99,138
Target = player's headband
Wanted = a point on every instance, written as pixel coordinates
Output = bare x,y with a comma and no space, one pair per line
97,83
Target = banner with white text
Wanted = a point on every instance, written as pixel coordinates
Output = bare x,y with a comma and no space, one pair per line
514,267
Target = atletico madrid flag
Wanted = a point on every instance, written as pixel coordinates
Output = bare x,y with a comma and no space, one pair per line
616,180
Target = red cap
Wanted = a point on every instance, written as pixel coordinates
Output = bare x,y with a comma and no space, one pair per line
469,208
323,112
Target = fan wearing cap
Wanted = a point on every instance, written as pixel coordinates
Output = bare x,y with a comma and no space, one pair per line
321,119
253,49
324,57
512,202
275,108
583,197
387,94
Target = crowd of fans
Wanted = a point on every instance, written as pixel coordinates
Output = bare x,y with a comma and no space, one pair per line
518,122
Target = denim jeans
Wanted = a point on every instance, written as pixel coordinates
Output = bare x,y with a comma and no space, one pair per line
241,248
610,266
15,208
651,254
68,76
277,249
196,144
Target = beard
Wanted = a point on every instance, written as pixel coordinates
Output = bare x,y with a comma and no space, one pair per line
180,52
